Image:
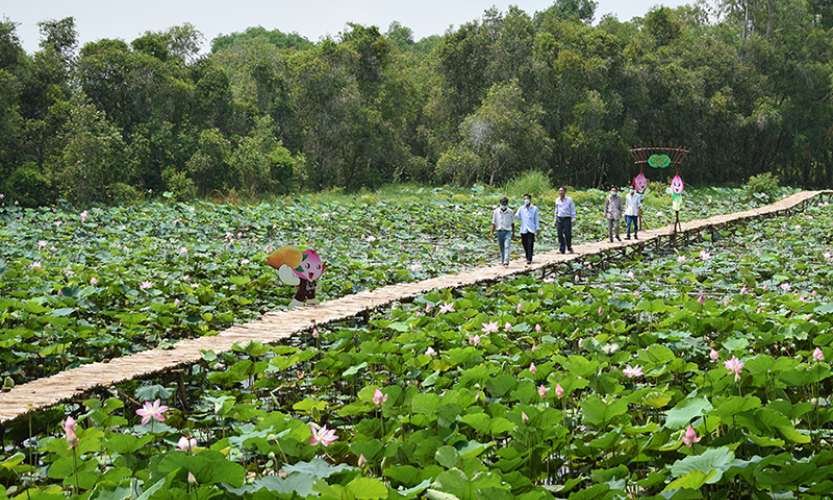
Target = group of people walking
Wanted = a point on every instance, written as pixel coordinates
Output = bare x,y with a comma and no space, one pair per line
503,221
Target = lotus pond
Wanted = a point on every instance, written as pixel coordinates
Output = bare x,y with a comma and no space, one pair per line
698,374
81,286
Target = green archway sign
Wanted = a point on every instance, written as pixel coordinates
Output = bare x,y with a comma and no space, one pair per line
659,161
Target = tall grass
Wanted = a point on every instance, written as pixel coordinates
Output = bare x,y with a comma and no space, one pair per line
533,182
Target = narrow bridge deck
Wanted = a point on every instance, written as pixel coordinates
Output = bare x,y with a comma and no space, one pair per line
275,326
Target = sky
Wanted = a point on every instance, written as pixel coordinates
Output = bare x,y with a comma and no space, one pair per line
313,19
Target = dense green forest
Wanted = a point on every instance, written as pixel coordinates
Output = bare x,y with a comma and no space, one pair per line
745,85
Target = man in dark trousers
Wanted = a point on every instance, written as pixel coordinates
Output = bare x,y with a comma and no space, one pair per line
565,217
528,215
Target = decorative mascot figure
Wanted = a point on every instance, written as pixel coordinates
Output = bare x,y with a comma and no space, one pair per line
300,269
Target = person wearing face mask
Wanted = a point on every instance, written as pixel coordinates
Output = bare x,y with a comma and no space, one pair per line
528,215
565,219
633,202
503,220
613,212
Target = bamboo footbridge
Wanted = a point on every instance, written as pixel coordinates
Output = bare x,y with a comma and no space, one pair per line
279,325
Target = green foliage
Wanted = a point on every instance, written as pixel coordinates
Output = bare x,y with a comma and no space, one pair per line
274,37
762,187
179,185
533,182
260,163
94,156
29,186
209,167
508,92
420,406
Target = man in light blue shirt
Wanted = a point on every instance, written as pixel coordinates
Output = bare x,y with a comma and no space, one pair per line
528,215
565,217
503,220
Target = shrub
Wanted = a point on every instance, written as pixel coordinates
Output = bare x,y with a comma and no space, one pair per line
762,187
532,182
179,185
122,194
30,187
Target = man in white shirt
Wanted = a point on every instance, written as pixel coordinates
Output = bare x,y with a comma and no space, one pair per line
530,228
565,217
503,220
633,202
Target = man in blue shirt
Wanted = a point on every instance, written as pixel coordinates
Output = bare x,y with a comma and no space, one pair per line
565,217
528,214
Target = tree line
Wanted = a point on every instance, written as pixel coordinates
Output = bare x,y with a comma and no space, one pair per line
745,85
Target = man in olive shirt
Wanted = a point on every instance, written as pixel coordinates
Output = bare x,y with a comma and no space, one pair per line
503,220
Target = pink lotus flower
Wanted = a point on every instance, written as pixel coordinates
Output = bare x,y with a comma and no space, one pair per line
532,369
42,244
537,328
691,437
704,255
828,255
559,391
430,351
427,308
636,293
814,293
725,302
714,355
681,259
576,278
323,435
447,307
186,445
153,411
146,284
315,333
818,355
630,274
69,426
415,267
379,398
601,310
176,301
183,250
362,463
93,280
524,418
533,348
786,287
474,340
765,287
490,327
549,281
636,371
701,300
192,479
734,366
744,291
507,327
542,391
